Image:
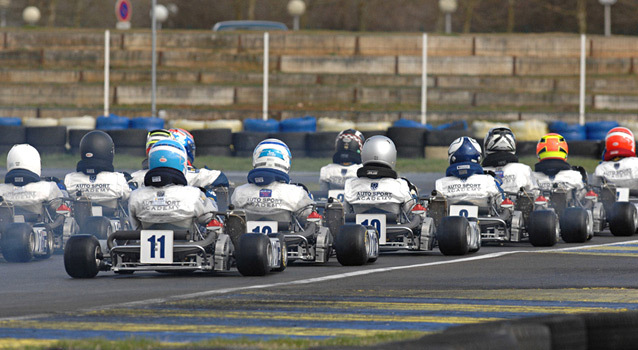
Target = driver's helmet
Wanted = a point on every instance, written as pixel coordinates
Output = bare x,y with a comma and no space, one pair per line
97,145
168,154
552,146
156,135
24,156
619,143
272,154
464,150
187,141
499,139
349,140
379,150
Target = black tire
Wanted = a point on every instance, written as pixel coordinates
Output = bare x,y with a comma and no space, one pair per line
296,141
444,137
453,235
76,135
18,242
350,245
246,141
611,330
39,136
12,134
410,137
573,225
410,152
97,226
243,154
253,254
542,226
283,258
217,151
622,220
212,137
368,134
586,148
82,255
526,148
327,153
321,141
136,151
129,138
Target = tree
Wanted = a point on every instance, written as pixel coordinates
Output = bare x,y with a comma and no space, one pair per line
510,15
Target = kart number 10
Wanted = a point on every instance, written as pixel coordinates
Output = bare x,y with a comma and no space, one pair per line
375,220
264,227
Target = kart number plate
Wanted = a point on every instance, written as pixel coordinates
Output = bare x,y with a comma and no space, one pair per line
375,220
156,247
622,194
337,194
469,211
96,211
18,218
264,227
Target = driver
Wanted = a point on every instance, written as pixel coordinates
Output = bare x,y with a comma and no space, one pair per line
23,186
165,198
269,193
465,179
553,169
619,165
137,178
345,162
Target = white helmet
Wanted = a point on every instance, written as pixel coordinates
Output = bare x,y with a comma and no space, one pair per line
379,149
26,157
499,139
272,154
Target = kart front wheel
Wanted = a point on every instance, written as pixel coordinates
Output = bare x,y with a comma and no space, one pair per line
622,221
543,228
574,225
18,243
98,226
254,254
350,245
82,256
454,235
283,254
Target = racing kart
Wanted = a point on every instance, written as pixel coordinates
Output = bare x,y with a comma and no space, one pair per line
25,235
166,248
621,206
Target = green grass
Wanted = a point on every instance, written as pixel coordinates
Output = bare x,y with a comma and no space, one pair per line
404,165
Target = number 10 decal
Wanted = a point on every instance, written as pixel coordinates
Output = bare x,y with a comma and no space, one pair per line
156,247
375,220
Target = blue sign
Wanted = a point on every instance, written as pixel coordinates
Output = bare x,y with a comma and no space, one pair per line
123,10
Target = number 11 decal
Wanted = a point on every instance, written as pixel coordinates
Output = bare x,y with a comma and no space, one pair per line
156,247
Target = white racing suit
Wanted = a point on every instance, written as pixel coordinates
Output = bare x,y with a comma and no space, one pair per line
622,173
105,188
565,179
513,176
333,176
32,196
176,205
388,194
204,178
477,189
275,201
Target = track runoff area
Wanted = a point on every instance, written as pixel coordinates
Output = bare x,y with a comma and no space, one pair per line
419,292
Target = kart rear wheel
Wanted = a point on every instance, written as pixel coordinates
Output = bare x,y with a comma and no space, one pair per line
543,228
98,226
18,243
574,224
82,256
283,255
622,220
49,246
350,245
454,235
253,254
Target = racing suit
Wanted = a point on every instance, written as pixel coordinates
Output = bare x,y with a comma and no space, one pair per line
268,195
466,182
511,174
27,192
622,173
557,172
104,188
169,204
333,176
378,188
204,178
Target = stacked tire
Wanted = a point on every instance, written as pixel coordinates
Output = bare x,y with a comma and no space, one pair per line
408,141
47,139
213,142
12,133
129,141
321,144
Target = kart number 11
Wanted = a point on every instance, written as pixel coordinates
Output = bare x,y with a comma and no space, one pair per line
156,247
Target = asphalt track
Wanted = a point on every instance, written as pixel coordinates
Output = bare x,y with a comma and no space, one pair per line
423,292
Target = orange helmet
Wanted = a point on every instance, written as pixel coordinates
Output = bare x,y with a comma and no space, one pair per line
619,142
552,146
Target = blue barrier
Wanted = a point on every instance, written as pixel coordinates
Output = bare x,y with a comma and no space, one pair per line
571,132
303,124
259,125
598,130
407,123
112,122
148,123
10,121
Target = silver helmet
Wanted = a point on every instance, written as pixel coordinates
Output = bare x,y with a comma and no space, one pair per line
380,150
499,139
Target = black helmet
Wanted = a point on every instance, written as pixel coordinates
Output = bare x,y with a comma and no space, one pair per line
348,147
97,145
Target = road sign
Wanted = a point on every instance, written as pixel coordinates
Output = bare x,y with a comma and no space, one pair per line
123,10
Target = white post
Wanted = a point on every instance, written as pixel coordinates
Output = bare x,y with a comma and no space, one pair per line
607,20
424,79
265,98
107,63
154,59
583,67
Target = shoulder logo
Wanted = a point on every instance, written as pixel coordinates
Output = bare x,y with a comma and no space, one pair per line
344,172
374,186
265,193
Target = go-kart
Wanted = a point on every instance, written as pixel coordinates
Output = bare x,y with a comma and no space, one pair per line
165,248
25,235
621,206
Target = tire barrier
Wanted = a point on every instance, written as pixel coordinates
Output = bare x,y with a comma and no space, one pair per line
372,126
129,141
480,128
10,121
75,136
303,124
571,132
11,135
39,122
296,142
47,139
528,130
455,125
233,125
410,142
147,123
321,144
598,130
407,123
259,125
188,124
245,142
85,122
591,149
369,133
112,122
333,124
214,142
445,137
525,148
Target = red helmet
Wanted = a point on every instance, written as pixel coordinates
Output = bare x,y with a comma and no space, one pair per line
619,143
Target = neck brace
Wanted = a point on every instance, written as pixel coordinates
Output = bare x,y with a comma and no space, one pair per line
499,159
464,170
21,177
263,177
160,177
376,172
346,158
551,167
94,166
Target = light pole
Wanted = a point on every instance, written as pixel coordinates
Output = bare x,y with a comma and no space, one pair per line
161,15
607,4
4,4
448,7
296,8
